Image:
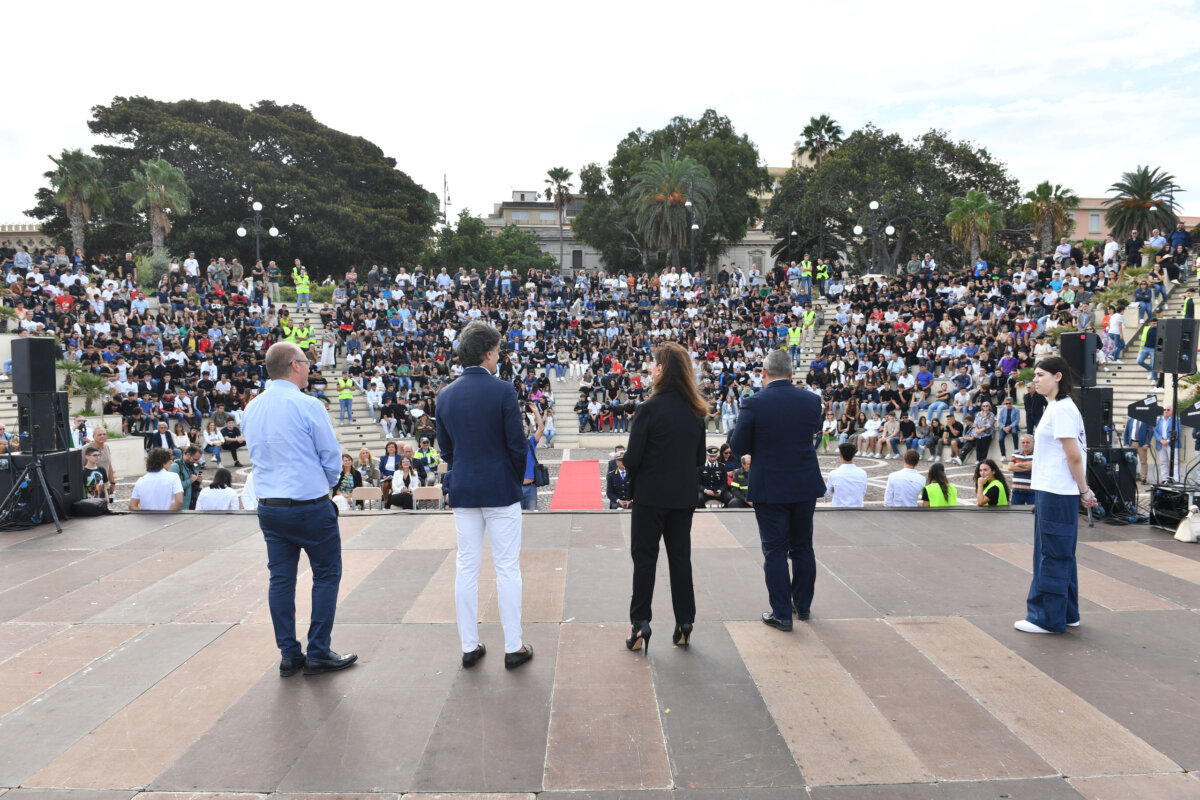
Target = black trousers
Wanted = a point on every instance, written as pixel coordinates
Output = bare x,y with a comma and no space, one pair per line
726,497
674,526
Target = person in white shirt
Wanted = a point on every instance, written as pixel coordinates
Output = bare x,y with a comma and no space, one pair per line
847,485
904,486
159,489
219,495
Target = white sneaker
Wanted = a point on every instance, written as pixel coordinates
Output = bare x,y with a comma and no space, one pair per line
957,460
1025,626
1074,624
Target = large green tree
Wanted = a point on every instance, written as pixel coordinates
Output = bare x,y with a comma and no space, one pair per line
913,182
973,220
558,189
1049,208
608,219
80,187
673,196
819,136
336,198
157,189
1142,200
470,245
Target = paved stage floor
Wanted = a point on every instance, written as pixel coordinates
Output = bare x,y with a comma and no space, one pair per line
136,658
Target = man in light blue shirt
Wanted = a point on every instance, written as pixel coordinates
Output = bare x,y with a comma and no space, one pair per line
296,459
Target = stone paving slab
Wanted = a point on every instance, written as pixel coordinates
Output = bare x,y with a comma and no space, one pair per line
137,660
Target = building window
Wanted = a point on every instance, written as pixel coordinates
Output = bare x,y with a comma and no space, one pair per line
520,215
1094,222
576,259
547,216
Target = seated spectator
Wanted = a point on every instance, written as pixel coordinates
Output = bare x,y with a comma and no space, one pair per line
619,488
95,481
847,484
367,468
348,481
714,483
389,461
400,489
162,438
234,440
159,489
739,483
219,495
938,492
1021,465
904,485
213,440
991,489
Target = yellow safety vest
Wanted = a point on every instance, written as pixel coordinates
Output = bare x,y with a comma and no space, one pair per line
939,500
1003,500
289,333
1145,333
429,457
302,284
304,336
823,271
345,389
805,269
810,319
794,334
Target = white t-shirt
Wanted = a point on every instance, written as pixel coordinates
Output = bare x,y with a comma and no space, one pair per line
847,485
156,491
217,500
1051,473
904,488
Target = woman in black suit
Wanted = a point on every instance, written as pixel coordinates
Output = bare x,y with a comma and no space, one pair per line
666,447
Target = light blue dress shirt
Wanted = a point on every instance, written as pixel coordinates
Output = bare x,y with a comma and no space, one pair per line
292,445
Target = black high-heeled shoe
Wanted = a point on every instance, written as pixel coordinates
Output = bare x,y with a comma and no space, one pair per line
682,634
639,636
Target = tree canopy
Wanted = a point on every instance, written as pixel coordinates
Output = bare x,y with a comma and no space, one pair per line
608,219
1142,200
336,198
913,182
470,245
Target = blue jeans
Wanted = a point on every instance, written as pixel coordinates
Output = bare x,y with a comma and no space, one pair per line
1118,343
345,409
214,450
303,298
936,408
1147,353
786,531
1022,497
313,529
1145,309
1054,592
529,497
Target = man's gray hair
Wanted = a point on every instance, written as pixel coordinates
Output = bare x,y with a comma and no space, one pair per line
778,364
475,341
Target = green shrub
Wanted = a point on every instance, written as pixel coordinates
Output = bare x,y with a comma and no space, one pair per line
150,269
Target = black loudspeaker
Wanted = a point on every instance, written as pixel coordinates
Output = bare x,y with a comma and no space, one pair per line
1079,351
1175,347
64,478
43,422
1096,408
1111,475
33,365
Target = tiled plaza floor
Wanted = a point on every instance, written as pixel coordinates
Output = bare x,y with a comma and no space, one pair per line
136,659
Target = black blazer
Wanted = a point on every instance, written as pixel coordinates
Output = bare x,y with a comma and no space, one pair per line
777,428
666,445
618,489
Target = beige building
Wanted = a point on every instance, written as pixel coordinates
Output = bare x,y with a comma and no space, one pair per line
1089,220
530,211
25,233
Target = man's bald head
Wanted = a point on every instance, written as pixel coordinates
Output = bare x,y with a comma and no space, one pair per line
280,357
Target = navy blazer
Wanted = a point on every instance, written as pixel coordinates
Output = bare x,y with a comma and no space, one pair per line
777,428
482,439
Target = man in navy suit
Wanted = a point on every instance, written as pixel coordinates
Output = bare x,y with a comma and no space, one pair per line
777,427
482,437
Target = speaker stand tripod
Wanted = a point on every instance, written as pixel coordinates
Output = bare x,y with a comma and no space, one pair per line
18,497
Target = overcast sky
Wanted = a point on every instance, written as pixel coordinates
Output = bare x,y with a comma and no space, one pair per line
494,94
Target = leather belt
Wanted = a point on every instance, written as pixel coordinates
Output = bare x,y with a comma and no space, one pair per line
529,483
287,501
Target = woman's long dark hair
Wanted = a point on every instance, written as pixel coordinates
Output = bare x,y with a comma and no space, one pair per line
677,376
997,474
937,474
221,479
1058,364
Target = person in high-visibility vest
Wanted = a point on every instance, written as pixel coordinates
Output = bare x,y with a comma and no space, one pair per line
806,275
428,458
938,491
794,334
302,281
345,388
822,275
304,336
990,486
288,330
808,323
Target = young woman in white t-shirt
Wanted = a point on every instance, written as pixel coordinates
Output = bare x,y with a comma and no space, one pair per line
219,495
1059,483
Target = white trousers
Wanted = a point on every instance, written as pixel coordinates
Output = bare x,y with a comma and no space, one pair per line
503,525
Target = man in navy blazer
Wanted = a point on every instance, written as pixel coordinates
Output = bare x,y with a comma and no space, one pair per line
778,427
483,443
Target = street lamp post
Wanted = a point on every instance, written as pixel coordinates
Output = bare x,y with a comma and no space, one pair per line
889,229
445,218
791,232
256,225
692,228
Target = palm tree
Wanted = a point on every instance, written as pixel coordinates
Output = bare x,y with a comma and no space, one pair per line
157,189
973,219
661,190
1050,207
819,136
559,190
91,387
80,188
1142,201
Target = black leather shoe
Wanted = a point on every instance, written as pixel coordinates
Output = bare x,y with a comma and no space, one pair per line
769,619
472,658
290,666
514,660
316,666
800,615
